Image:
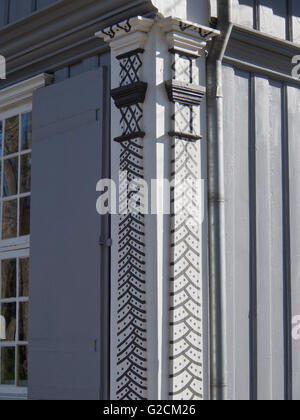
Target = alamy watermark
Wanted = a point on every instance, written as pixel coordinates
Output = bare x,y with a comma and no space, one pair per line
182,197
296,328
296,67
2,67
2,328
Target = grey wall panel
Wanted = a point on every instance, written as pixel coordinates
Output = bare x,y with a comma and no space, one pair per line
280,18
243,12
294,152
19,9
296,20
14,10
64,319
273,17
262,235
270,312
40,4
3,13
236,93
82,66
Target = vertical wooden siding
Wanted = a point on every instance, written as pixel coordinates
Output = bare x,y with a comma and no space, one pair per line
280,18
262,235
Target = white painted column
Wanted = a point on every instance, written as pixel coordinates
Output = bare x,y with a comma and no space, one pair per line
129,326
159,132
186,43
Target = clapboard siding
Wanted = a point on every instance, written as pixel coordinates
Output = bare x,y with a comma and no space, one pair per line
261,128
14,10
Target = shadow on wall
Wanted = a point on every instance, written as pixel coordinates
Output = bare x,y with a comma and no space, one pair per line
191,10
279,18
278,7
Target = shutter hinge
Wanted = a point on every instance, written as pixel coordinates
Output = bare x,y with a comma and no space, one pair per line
105,242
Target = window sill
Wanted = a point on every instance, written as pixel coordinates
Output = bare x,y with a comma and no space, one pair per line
13,393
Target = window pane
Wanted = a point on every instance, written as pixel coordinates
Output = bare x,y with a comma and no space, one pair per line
11,140
25,173
1,137
24,216
26,131
0,178
9,221
24,277
23,321
8,311
8,366
10,183
9,281
22,366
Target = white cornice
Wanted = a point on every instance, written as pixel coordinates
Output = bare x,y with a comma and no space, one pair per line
64,32
127,35
21,93
187,37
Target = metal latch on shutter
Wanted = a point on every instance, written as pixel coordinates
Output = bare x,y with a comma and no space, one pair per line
105,242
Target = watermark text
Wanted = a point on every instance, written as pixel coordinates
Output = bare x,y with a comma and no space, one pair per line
296,67
2,328
2,68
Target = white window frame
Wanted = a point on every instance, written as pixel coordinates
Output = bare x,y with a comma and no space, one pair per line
7,255
17,100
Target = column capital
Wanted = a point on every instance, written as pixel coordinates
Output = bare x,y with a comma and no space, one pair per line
128,35
186,37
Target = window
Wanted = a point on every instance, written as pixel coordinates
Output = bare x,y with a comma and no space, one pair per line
15,197
14,309
15,179
15,165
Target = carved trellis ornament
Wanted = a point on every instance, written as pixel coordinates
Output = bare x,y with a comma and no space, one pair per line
186,43
131,372
131,310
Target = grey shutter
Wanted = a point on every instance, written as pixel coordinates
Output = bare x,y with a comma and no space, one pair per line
67,281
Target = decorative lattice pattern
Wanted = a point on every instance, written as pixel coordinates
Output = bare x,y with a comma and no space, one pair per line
131,117
182,68
130,69
132,339
186,293
131,318
184,118
113,30
205,33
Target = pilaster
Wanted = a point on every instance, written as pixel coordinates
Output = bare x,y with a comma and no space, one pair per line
186,43
156,315
129,330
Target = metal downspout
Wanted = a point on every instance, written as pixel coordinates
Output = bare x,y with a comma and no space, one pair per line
216,206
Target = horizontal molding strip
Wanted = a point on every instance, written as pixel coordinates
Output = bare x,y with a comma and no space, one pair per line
252,50
186,136
127,95
243,65
63,32
22,92
131,136
185,93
